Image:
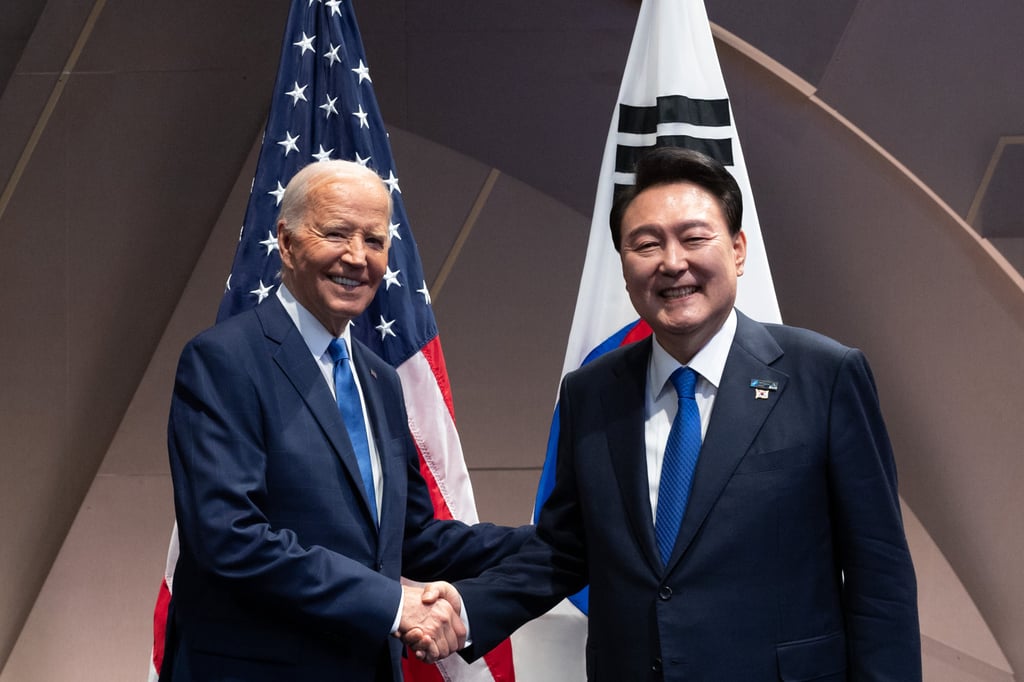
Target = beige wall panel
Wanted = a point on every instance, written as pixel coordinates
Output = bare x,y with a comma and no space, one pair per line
951,624
93,618
504,316
505,496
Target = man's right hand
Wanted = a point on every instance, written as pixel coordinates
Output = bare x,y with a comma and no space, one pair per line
430,624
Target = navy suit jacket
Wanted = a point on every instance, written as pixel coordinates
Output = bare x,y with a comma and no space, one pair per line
283,575
791,561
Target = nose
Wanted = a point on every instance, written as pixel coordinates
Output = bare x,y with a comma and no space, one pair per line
673,259
354,252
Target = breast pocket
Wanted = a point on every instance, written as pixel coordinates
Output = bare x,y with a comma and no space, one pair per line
784,458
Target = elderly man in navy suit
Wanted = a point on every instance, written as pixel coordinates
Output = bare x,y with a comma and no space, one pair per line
726,488
296,522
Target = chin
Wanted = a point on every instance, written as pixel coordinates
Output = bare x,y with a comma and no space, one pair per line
682,324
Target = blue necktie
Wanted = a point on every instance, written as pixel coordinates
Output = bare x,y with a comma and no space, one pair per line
352,412
681,452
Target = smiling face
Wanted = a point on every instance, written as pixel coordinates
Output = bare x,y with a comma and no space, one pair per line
680,264
335,259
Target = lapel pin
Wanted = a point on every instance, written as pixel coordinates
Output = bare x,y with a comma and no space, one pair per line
373,373
762,387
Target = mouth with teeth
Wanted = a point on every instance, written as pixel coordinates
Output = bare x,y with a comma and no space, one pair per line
679,292
345,281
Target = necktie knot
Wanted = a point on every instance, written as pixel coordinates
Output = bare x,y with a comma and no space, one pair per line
685,381
337,350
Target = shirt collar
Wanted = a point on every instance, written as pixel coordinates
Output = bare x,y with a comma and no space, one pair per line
315,335
709,362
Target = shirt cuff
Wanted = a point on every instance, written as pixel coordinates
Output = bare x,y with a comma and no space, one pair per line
398,618
464,615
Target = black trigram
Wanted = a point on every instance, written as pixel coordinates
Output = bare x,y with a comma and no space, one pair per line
711,113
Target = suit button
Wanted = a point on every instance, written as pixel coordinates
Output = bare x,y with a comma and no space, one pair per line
380,567
656,665
665,593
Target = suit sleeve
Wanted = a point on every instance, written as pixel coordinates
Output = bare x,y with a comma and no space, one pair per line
879,586
218,457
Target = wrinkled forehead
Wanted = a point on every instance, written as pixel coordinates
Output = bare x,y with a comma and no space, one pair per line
364,193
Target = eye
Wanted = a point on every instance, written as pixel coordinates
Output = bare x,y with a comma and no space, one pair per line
376,243
646,245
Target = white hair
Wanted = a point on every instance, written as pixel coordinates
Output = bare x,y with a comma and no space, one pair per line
295,202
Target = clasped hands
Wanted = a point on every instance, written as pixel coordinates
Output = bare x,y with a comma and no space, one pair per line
431,625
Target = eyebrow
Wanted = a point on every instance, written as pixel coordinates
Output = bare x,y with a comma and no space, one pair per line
657,227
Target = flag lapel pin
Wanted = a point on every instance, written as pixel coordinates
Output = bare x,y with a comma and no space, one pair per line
763,387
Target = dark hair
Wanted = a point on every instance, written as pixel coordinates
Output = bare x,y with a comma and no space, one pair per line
666,165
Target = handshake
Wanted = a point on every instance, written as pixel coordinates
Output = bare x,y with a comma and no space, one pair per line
431,624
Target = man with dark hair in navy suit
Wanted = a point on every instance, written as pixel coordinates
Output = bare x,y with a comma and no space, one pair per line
786,558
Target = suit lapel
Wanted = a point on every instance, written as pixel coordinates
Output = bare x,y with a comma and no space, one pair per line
293,357
736,419
623,403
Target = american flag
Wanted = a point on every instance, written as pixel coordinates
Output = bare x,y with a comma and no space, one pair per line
323,107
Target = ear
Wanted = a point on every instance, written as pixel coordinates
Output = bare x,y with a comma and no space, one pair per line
284,243
739,247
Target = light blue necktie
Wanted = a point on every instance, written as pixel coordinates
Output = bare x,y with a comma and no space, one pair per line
681,452
352,412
